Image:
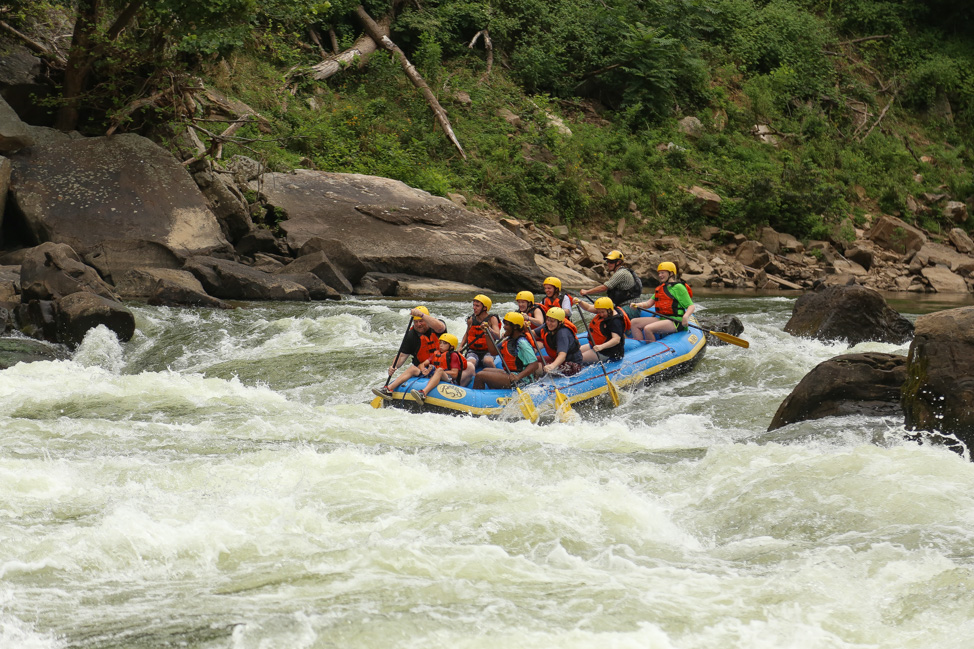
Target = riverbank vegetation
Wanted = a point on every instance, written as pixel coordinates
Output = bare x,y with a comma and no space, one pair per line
806,114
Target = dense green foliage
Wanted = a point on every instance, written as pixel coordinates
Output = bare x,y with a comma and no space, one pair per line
870,102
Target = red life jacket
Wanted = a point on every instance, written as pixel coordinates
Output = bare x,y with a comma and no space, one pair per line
597,328
448,361
666,304
476,336
548,338
429,343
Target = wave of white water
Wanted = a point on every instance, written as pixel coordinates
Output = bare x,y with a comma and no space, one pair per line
221,481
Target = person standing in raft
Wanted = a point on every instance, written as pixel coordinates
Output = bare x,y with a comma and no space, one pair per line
533,314
518,356
623,285
672,298
563,354
475,340
422,339
444,364
606,332
554,297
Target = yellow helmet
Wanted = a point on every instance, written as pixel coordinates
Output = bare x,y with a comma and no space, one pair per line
554,281
604,303
449,338
614,256
514,318
423,309
527,296
483,299
557,313
667,266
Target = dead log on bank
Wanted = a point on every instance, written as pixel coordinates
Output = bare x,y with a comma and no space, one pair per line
372,29
360,51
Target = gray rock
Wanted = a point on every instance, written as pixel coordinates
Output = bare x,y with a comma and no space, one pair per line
383,225
956,211
752,254
121,198
259,240
229,280
14,135
961,241
53,270
939,391
226,202
17,65
943,280
894,234
79,312
851,313
318,264
316,287
5,170
851,384
165,286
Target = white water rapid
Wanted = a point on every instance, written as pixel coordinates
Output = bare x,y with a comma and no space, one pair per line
222,482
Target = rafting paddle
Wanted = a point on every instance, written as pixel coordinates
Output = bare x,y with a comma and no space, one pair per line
727,338
562,406
613,392
524,401
377,402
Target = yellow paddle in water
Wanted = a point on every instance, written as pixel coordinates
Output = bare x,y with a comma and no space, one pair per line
727,338
613,392
524,401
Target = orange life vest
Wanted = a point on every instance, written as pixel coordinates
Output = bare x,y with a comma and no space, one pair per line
514,364
429,343
445,360
666,304
548,339
557,300
595,328
476,336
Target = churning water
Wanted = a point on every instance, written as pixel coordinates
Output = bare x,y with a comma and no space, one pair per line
221,481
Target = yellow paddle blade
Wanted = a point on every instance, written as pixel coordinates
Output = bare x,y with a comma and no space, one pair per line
734,340
563,409
377,402
526,405
613,392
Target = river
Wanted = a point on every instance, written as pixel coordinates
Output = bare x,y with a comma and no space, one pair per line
221,482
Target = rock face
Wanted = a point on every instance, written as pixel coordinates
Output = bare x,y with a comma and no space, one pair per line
13,132
121,202
852,384
165,286
53,270
79,312
232,281
939,390
894,234
365,223
852,313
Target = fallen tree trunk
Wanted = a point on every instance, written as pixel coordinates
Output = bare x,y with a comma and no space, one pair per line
361,49
372,29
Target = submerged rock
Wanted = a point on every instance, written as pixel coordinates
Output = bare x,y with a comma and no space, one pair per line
851,384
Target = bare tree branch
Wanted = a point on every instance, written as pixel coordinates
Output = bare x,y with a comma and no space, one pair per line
360,50
866,38
372,29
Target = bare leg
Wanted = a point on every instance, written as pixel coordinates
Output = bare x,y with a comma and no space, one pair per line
409,372
638,324
489,362
434,380
492,378
658,329
468,373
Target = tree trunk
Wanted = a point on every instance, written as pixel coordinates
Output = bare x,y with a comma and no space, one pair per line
79,64
362,49
441,117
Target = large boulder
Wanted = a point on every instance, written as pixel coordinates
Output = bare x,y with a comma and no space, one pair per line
852,313
79,312
165,286
226,202
14,135
229,280
53,270
939,391
5,169
366,223
851,384
319,265
896,235
121,200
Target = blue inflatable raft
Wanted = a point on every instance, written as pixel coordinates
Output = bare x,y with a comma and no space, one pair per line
643,362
